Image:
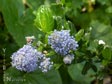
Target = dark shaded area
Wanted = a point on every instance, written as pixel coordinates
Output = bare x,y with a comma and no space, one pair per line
7,47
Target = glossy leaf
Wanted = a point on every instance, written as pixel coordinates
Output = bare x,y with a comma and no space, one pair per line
44,19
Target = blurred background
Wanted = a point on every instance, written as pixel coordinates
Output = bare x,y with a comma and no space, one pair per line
17,22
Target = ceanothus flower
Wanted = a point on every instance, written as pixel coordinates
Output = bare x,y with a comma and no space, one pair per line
29,59
62,42
45,65
25,59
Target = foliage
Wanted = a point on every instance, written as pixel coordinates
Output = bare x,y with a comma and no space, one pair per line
89,22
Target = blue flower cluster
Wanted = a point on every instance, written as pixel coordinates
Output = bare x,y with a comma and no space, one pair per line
45,65
62,42
29,59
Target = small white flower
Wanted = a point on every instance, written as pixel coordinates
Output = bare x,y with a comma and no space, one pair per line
68,59
101,42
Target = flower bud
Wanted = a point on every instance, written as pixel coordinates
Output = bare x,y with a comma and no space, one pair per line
68,59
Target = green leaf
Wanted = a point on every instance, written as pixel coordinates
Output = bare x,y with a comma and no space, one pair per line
63,2
104,2
57,66
19,24
109,9
101,31
107,53
34,3
105,62
79,34
44,19
93,46
72,28
94,67
13,76
86,67
76,3
75,73
58,10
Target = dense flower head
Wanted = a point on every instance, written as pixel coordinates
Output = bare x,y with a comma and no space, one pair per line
45,65
62,42
25,59
28,59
